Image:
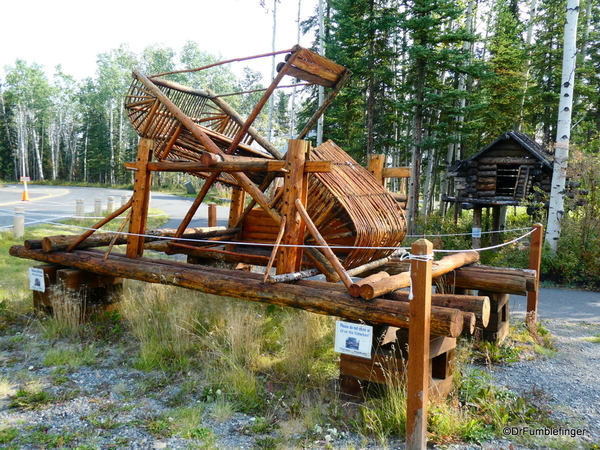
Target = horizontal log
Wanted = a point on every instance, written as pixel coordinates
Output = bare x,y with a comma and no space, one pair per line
33,244
62,242
506,160
247,286
396,172
370,290
479,305
494,279
232,166
399,197
469,322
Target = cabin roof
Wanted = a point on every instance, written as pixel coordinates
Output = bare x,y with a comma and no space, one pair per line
527,142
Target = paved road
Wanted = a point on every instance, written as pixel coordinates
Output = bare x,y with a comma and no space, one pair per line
48,203
561,304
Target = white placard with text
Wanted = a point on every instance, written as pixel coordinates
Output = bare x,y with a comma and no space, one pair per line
353,339
36,279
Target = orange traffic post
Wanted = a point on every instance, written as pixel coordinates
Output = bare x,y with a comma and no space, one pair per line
25,196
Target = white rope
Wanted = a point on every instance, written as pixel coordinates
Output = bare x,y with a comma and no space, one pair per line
261,244
410,256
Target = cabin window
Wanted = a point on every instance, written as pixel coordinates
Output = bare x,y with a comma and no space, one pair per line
507,179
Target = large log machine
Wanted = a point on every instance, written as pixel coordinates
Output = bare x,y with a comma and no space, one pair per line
311,211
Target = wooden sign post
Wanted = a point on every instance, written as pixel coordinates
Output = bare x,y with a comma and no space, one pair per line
418,346
535,261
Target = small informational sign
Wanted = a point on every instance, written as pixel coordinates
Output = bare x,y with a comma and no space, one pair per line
353,339
476,232
36,279
27,179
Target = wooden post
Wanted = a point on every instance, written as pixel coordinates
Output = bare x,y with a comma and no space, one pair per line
418,345
290,258
535,261
375,166
140,200
212,214
476,239
496,224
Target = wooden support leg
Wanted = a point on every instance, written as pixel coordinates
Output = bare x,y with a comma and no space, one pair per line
499,323
140,200
535,260
294,187
92,293
42,299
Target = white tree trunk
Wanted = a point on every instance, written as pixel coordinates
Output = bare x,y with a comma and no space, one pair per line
563,129
272,97
321,120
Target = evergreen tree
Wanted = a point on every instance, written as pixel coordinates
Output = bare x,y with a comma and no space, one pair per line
504,87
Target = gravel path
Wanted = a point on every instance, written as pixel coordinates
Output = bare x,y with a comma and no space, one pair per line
109,405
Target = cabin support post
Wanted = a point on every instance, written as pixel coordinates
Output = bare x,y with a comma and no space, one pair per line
476,239
418,345
140,200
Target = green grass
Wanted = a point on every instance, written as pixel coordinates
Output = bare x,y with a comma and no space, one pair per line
593,339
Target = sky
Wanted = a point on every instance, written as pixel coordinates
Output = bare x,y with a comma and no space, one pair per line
73,32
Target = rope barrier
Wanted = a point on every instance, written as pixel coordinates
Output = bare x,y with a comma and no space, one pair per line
261,244
335,247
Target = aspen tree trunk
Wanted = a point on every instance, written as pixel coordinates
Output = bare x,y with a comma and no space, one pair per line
322,53
563,129
294,91
37,154
272,97
112,147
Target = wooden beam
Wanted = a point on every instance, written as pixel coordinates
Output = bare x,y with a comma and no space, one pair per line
371,289
335,262
396,172
140,200
494,279
307,295
239,165
290,258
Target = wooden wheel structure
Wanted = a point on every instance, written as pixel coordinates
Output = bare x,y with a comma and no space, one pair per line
349,218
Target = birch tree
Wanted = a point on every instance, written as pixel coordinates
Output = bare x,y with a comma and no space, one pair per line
563,128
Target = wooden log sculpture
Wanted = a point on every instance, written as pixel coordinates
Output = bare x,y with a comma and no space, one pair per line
197,132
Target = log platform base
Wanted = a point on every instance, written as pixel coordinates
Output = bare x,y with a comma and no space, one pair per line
94,293
388,364
498,327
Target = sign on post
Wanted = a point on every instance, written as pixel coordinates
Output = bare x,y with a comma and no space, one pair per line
353,339
36,279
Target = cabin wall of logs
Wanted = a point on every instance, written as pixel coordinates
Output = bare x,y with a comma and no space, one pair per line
503,173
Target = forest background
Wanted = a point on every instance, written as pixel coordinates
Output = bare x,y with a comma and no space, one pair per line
434,81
